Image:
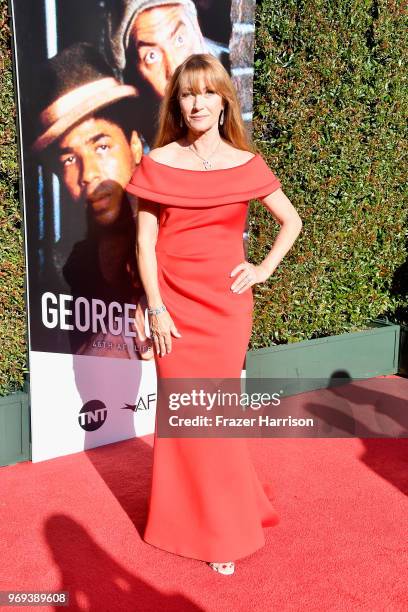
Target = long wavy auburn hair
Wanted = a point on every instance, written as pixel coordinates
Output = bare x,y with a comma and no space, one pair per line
187,75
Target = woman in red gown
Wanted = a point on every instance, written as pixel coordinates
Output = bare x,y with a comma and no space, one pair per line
206,501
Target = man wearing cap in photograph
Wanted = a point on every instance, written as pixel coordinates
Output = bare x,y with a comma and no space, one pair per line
150,38
85,135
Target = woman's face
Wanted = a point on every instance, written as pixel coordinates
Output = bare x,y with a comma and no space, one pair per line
200,110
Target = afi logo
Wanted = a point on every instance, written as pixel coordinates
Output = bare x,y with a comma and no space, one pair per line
92,415
141,404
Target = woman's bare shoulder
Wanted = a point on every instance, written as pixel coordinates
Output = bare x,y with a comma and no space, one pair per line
162,154
240,156
170,154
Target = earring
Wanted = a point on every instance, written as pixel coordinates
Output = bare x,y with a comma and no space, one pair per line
222,117
181,121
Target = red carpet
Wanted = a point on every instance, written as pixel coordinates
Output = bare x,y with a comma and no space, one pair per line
74,524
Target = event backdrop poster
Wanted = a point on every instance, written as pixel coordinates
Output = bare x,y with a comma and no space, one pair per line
89,79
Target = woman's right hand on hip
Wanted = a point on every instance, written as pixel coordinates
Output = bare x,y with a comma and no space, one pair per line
161,329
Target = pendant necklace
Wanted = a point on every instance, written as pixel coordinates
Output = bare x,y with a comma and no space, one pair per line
206,162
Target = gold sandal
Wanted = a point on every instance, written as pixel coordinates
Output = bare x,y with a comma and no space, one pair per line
223,568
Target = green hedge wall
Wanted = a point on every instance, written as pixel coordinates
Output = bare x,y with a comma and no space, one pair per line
329,117
329,114
13,349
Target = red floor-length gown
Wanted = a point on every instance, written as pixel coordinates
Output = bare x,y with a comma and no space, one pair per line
206,500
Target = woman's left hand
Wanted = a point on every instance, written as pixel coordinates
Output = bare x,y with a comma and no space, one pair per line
250,275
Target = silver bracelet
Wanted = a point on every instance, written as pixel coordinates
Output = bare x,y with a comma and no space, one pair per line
156,311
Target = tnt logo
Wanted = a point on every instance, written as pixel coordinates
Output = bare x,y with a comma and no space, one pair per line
92,415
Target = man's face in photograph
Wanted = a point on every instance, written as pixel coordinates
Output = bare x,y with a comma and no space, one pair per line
160,40
95,161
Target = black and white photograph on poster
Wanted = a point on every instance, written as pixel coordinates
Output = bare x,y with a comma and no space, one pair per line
90,79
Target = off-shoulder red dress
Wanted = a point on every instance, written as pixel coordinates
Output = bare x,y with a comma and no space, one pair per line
206,501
